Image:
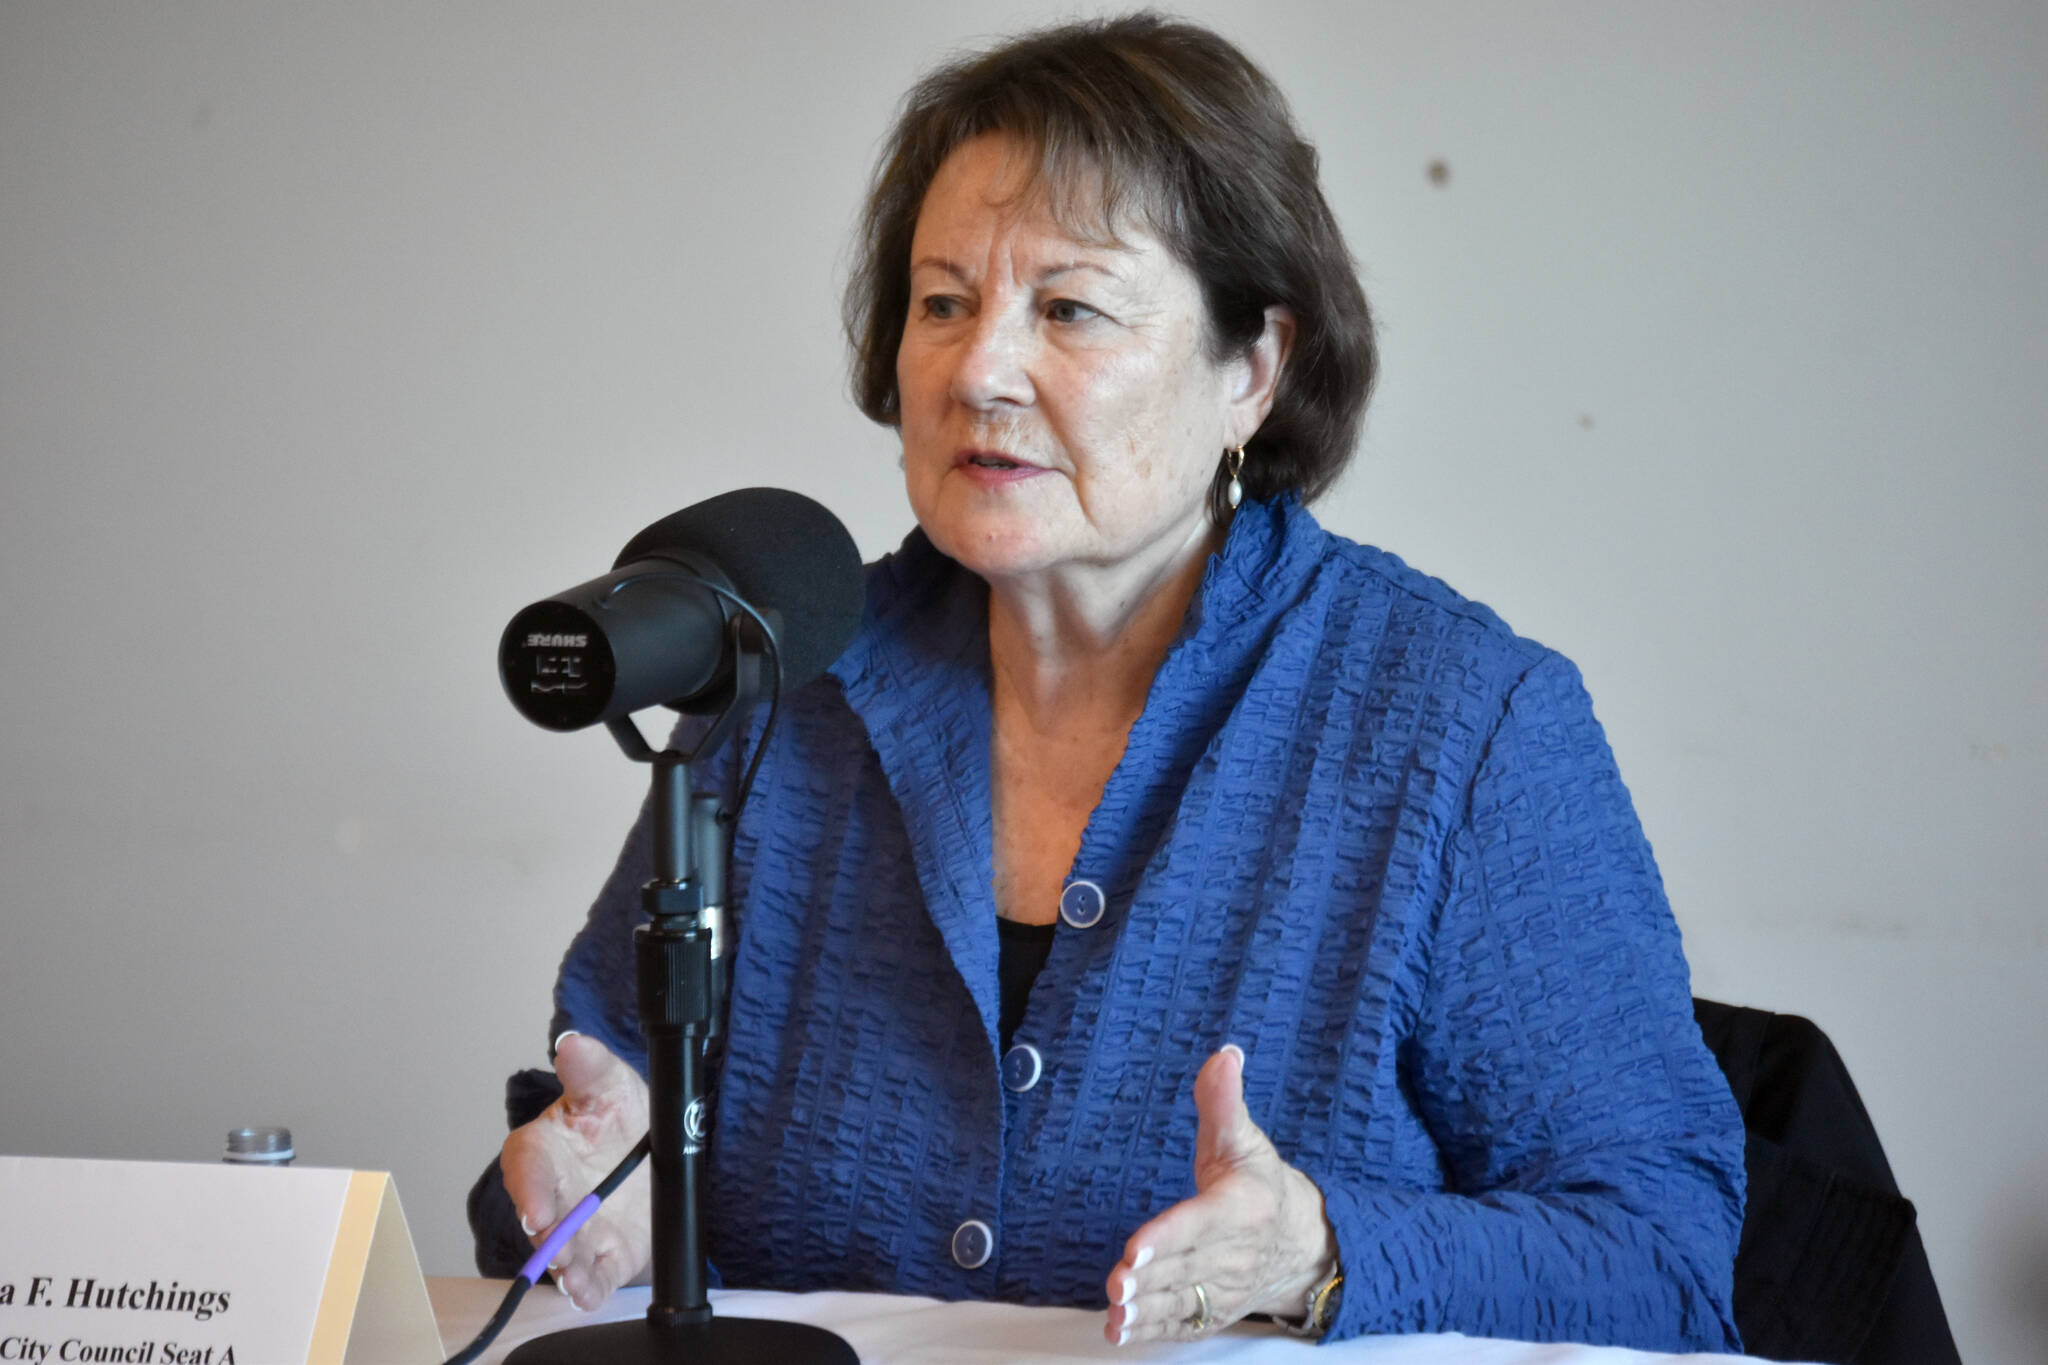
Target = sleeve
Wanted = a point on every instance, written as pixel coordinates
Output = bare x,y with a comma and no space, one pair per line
1592,1153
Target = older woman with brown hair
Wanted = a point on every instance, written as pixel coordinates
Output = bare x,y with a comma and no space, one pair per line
1165,904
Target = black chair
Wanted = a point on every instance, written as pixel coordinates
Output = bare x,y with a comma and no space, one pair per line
1830,1266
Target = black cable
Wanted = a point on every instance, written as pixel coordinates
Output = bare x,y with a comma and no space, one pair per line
550,1247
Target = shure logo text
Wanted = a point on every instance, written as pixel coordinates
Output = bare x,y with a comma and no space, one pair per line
541,640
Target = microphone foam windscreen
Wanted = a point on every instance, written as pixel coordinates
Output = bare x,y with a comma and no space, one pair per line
782,551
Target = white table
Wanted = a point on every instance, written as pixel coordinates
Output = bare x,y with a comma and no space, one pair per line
889,1330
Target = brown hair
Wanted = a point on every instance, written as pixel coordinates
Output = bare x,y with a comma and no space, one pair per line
1170,120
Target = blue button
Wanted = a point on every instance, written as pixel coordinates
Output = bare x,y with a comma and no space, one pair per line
1081,903
972,1244
1022,1066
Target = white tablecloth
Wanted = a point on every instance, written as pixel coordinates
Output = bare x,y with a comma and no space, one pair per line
890,1330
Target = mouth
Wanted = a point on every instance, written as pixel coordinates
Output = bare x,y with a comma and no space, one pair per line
988,459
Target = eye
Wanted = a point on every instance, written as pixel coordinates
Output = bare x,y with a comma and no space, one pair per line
1069,310
941,307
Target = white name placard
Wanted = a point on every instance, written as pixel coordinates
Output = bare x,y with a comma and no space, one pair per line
161,1263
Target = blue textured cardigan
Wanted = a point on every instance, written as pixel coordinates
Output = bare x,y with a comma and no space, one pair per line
1361,829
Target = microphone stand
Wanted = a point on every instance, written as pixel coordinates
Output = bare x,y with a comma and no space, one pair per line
683,970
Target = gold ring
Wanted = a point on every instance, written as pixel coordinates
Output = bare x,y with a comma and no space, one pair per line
1198,1321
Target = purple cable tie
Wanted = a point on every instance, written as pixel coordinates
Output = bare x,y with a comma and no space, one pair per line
567,1228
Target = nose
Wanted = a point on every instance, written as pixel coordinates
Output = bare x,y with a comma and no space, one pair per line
993,365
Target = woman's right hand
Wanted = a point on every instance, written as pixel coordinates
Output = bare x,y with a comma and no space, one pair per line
551,1163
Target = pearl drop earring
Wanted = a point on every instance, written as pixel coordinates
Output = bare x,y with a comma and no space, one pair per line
1233,460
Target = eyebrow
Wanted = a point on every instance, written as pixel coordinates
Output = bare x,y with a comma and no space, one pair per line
1046,276
1071,267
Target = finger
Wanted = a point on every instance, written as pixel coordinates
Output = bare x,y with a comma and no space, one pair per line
595,1263
1146,1301
579,1270
1168,1315
1123,1284
533,1169
1231,1272
1225,1136
611,1250
589,1071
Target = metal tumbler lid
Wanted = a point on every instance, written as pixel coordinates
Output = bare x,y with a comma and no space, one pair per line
259,1146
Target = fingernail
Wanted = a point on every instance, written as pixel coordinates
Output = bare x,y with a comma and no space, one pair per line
1142,1259
1233,1047
1130,1316
1125,1290
525,1226
1123,1336
556,1046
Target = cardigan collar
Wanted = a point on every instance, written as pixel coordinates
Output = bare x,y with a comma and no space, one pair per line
917,675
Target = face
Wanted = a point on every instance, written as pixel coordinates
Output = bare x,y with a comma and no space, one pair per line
1059,407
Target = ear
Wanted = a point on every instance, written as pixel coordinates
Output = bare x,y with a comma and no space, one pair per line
1254,377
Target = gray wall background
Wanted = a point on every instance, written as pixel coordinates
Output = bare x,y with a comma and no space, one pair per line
330,334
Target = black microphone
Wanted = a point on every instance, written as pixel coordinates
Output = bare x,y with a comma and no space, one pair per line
644,635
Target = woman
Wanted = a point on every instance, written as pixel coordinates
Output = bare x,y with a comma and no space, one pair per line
1165,904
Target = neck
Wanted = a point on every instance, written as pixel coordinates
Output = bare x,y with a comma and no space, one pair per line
1077,648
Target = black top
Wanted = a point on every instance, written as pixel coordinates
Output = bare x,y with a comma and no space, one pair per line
1024,950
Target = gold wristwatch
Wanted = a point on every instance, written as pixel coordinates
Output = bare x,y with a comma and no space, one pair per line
1319,1309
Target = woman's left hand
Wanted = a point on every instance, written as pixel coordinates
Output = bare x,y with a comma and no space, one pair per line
1253,1236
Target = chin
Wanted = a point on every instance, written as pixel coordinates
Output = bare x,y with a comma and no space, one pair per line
993,547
